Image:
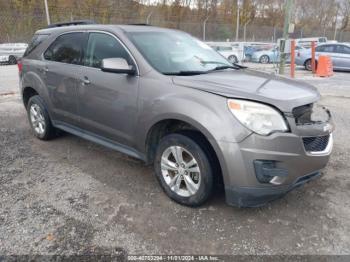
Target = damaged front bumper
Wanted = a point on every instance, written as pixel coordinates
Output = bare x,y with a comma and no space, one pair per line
264,168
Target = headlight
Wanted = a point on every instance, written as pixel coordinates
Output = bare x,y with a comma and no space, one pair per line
259,118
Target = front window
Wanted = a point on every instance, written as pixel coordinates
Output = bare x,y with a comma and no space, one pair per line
176,52
101,46
325,48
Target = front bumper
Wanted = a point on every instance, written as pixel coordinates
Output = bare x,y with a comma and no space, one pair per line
255,59
299,61
255,197
288,153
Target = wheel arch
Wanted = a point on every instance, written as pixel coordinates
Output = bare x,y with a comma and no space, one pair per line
27,93
182,125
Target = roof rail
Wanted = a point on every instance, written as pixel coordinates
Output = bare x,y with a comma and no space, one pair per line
77,22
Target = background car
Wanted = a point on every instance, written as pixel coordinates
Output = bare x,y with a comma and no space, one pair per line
249,51
339,53
271,56
12,52
228,51
266,56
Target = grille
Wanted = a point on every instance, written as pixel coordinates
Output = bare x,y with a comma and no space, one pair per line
315,144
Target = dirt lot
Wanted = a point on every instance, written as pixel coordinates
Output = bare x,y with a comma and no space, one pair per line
71,196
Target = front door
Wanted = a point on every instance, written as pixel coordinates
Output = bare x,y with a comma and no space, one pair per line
107,102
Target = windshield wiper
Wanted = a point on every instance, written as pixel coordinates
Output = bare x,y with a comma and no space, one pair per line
186,73
224,67
192,73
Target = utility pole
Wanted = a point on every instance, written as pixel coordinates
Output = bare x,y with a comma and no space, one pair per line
288,10
205,27
47,12
149,17
237,23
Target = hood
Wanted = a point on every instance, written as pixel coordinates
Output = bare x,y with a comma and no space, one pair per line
281,92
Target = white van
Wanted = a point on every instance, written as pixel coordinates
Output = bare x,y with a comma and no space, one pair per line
228,50
306,42
11,52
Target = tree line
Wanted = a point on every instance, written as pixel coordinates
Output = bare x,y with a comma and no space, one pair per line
20,18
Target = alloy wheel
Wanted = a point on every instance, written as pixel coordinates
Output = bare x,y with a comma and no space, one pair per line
264,59
180,171
37,119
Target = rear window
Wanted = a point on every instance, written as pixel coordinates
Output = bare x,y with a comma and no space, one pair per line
67,48
35,42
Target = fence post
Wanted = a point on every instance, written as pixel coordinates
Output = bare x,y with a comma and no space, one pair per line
205,27
292,59
313,55
47,13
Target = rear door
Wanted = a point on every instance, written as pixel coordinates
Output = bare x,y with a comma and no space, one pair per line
107,101
62,74
343,57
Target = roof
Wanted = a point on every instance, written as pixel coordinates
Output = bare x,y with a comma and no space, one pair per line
125,28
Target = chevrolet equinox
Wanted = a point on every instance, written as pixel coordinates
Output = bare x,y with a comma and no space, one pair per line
166,98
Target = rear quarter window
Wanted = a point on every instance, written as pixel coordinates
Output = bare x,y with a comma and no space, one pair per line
35,42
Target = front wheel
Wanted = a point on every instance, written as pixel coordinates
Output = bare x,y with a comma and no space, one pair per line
264,59
183,170
308,65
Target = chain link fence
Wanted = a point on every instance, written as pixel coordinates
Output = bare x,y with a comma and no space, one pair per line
20,27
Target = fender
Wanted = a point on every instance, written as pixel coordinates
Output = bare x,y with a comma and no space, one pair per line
34,81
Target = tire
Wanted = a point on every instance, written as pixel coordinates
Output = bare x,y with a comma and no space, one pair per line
264,59
12,60
183,192
40,123
308,65
233,59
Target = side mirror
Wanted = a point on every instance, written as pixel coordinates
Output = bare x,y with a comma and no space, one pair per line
117,65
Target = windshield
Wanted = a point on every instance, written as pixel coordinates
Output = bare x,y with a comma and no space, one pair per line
176,52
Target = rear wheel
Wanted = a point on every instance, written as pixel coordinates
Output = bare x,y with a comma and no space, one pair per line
233,59
264,59
39,119
12,60
183,170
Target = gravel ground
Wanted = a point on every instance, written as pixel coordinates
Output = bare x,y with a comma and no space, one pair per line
70,196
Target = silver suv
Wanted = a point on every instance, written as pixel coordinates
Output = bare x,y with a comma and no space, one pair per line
167,98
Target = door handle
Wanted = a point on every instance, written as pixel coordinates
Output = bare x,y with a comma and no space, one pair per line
85,81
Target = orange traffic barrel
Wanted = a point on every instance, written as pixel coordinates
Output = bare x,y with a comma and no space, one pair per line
324,66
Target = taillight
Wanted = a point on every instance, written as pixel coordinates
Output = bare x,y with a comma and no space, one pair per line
20,66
